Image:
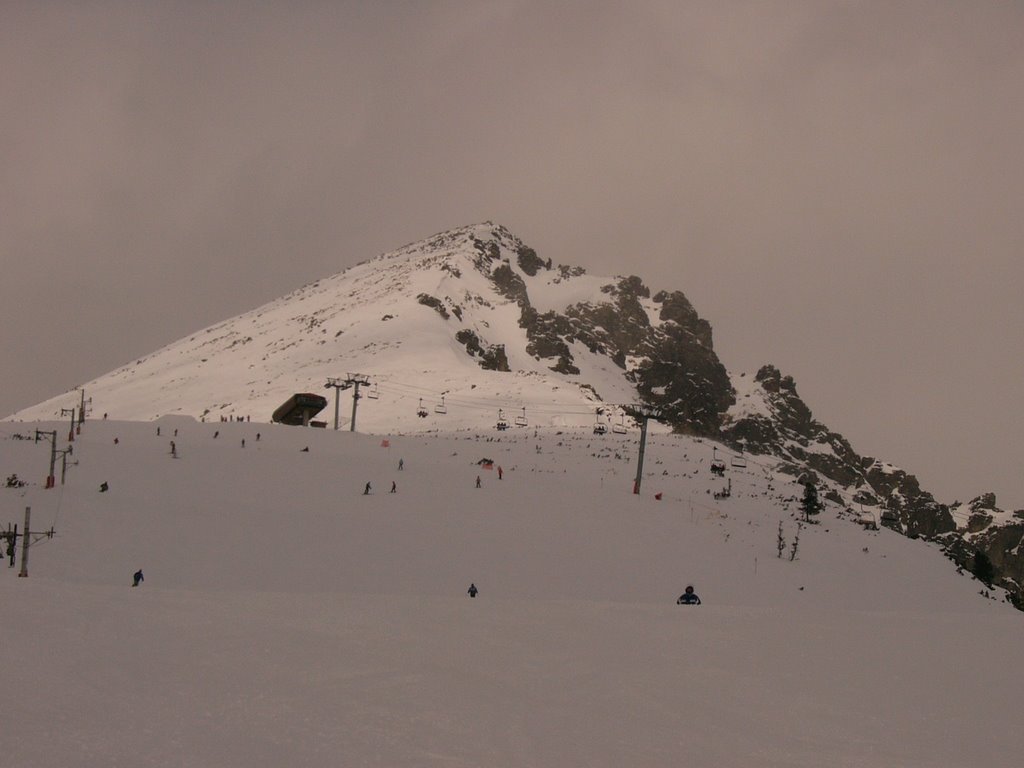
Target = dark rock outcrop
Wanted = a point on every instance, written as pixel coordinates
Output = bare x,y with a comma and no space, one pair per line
491,358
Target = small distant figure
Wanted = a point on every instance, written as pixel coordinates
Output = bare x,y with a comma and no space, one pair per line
257,437
137,578
175,433
689,597
500,471
116,441
243,442
305,450
104,417
215,434
401,464
158,431
478,481
366,490
174,449
104,487
472,591
394,487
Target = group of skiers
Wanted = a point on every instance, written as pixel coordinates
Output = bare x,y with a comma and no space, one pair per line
689,596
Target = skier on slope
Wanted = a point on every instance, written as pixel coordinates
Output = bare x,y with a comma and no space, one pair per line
689,597
137,578
472,591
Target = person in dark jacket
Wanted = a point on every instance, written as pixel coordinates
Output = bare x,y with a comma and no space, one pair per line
472,590
137,578
689,597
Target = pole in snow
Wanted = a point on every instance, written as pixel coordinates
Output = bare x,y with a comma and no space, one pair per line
643,413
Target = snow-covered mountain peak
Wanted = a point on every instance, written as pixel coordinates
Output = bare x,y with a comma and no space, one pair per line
471,329
446,316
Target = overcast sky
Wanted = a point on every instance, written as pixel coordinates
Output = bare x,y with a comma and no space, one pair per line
838,187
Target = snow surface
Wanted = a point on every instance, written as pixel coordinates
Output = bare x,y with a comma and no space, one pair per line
288,619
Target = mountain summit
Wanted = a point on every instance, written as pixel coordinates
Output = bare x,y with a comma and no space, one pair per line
472,329
471,315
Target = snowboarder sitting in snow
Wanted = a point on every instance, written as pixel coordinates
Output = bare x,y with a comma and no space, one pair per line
137,578
689,597
472,590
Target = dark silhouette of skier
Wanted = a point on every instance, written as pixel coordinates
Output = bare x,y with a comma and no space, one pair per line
478,481
394,487
472,591
104,487
689,597
137,578
401,464
500,472
366,490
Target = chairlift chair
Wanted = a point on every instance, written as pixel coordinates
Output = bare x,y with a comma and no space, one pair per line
620,428
739,461
441,407
521,420
717,465
374,393
502,425
421,411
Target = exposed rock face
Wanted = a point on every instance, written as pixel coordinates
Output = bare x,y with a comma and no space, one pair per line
983,527
530,262
434,303
491,358
665,349
783,426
